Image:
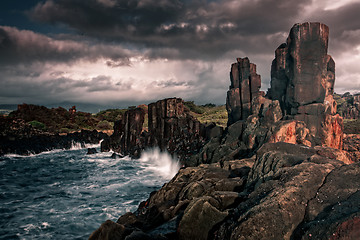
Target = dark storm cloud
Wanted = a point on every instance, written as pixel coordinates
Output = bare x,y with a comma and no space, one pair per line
21,87
23,46
178,48
344,26
209,28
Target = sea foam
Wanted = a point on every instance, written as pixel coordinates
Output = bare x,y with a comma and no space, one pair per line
160,162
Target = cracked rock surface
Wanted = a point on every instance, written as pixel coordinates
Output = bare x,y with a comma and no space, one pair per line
287,191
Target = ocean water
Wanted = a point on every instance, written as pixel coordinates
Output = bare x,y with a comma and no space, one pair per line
67,194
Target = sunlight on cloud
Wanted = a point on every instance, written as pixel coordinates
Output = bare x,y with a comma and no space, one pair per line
347,71
144,81
334,4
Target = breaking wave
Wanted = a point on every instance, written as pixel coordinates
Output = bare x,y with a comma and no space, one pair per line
67,194
160,162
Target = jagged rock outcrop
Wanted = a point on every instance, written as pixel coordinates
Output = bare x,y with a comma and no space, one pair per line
55,120
170,127
264,123
292,181
302,80
126,138
287,192
19,137
245,85
301,108
243,138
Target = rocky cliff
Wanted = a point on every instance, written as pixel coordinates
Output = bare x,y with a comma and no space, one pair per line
302,80
277,172
245,85
286,192
170,127
299,107
127,138
19,137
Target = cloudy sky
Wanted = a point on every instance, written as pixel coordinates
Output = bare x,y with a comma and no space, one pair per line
126,52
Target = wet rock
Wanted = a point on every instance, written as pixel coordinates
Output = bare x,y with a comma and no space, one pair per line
91,151
109,230
170,128
198,195
115,156
126,138
21,138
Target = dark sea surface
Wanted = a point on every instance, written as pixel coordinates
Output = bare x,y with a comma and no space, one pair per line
67,194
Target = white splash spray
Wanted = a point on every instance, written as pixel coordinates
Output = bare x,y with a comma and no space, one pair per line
78,145
160,162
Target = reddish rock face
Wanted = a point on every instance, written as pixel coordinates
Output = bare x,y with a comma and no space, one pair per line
349,229
302,80
245,85
300,64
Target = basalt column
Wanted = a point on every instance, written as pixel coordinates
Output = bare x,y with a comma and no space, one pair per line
302,79
127,138
245,85
172,128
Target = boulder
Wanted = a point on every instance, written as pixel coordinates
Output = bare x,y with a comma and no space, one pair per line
295,192
109,230
288,191
203,215
91,151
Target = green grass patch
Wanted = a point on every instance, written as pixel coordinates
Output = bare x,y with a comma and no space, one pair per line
209,113
110,115
352,126
38,125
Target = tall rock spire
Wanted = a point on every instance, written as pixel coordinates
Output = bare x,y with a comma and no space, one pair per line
245,85
302,79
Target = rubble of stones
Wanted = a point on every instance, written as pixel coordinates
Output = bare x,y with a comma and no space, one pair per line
278,171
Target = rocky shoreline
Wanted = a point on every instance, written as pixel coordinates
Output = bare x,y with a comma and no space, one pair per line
286,192
21,138
280,170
